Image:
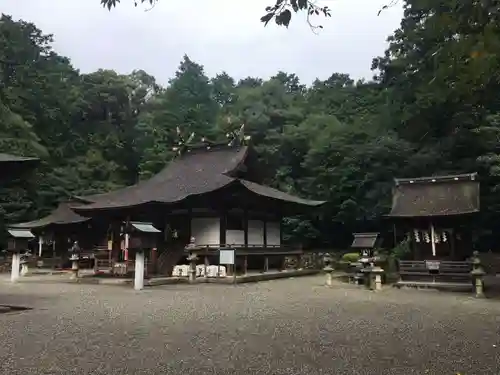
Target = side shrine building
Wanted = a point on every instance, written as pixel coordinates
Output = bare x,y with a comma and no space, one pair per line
435,213
210,197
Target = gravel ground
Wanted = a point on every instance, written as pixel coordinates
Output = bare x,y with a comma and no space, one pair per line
294,326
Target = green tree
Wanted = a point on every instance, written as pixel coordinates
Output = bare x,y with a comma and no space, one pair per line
189,103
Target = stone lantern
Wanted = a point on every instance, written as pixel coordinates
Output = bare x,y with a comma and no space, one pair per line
477,274
18,240
328,269
75,252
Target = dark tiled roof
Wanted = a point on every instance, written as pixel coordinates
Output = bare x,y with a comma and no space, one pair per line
364,240
12,166
62,215
435,196
198,172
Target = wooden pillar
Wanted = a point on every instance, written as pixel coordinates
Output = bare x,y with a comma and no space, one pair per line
453,253
223,227
153,261
190,220
245,227
245,265
395,235
115,246
281,231
264,232
205,274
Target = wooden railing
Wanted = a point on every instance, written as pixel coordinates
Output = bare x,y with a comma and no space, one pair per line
242,249
117,268
431,272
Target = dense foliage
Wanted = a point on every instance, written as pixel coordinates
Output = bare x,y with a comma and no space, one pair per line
432,109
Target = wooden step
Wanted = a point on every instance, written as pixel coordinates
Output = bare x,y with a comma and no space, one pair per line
430,284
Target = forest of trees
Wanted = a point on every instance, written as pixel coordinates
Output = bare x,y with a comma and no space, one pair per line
432,108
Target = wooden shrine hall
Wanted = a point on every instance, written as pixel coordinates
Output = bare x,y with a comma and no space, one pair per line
435,216
210,197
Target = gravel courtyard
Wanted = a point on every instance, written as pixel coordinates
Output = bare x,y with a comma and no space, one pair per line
287,327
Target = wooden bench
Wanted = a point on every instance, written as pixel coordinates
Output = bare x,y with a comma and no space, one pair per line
435,273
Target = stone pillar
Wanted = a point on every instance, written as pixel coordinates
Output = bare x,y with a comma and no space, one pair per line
477,275
266,264
16,258
139,270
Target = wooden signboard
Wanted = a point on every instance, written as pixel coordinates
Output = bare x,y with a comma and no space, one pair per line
226,257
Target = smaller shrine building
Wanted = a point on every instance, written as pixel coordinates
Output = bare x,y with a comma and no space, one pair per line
435,213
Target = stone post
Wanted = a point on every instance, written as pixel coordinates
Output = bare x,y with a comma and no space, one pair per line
139,270
477,275
16,260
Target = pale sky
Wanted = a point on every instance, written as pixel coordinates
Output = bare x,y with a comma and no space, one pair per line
222,35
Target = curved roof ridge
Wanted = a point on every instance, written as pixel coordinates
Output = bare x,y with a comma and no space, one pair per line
192,173
273,193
